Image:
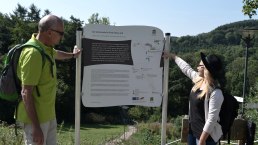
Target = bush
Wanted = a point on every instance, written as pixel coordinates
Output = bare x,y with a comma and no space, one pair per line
150,133
141,113
138,113
95,118
176,125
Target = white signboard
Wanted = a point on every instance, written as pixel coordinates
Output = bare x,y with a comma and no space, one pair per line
122,65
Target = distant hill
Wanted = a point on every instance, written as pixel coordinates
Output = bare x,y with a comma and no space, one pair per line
238,25
228,34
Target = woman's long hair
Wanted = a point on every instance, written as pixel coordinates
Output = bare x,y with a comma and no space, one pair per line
210,84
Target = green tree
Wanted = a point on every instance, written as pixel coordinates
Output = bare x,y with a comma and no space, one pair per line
23,23
20,12
46,12
249,7
33,13
95,19
5,33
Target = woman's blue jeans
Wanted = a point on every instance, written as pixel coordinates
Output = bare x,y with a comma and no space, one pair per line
191,140
207,142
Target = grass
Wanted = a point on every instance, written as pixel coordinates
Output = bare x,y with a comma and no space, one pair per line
7,135
149,134
89,134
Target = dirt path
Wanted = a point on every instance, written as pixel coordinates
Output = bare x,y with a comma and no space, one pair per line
125,136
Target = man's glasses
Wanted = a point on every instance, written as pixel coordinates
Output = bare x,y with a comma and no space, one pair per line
59,32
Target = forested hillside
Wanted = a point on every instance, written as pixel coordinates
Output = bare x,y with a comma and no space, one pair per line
225,40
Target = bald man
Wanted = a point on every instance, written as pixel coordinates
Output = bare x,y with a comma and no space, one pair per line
36,111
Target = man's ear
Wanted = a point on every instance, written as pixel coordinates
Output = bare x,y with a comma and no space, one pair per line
49,33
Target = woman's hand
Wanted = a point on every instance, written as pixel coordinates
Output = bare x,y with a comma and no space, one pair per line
169,55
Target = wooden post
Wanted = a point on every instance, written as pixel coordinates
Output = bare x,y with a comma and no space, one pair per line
185,128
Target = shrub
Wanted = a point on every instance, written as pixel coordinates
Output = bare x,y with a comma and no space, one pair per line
95,118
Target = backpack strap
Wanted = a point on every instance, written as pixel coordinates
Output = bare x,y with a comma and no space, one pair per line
42,51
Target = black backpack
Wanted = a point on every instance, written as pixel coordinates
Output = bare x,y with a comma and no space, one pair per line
228,113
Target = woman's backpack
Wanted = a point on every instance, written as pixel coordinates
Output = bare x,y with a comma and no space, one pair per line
228,113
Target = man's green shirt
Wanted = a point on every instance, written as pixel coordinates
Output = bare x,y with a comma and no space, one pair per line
31,72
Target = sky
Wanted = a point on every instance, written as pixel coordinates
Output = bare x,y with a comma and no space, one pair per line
177,17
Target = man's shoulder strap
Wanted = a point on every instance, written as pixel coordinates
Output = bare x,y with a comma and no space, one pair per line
34,45
41,50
